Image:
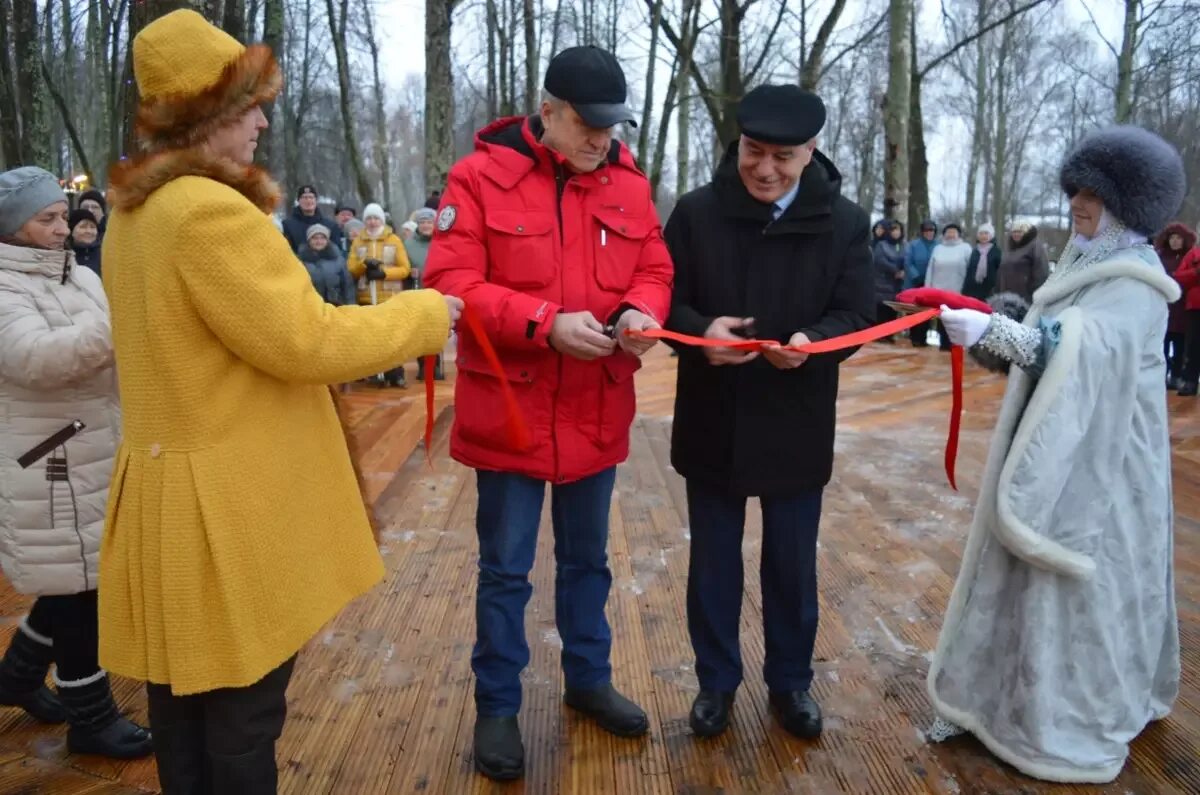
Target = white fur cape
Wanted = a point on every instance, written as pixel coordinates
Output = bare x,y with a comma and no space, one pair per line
1060,642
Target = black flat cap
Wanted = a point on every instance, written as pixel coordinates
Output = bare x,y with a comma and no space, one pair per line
593,83
784,115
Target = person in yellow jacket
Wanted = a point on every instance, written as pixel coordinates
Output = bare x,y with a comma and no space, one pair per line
235,528
379,262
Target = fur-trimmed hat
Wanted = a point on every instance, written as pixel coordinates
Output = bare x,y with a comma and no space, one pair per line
1137,175
194,78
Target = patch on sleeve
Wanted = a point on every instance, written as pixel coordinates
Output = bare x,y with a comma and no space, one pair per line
446,218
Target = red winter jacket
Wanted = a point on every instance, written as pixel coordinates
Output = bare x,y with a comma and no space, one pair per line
520,238
1188,276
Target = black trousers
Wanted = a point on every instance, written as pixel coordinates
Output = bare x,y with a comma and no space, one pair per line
884,313
716,579
1174,348
221,742
72,622
1191,368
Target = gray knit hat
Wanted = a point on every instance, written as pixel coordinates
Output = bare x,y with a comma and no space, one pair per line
316,229
25,192
1138,175
424,214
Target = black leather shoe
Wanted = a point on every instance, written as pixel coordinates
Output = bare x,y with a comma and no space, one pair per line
611,710
799,713
1174,382
710,713
1188,389
499,752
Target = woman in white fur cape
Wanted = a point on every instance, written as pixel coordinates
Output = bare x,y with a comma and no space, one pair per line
1061,642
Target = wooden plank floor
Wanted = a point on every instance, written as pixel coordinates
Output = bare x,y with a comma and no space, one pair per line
381,701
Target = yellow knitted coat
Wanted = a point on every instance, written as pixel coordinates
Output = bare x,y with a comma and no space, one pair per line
235,527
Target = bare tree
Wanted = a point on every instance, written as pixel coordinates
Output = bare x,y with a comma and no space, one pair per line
439,92
337,27
381,137
896,110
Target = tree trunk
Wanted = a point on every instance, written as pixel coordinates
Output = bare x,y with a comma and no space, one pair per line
648,103
493,79
554,34
978,131
337,26
810,75
273,20
10,123
35,137
1129,44
732,88
1000,169
683,90
531,58
896,110
918,160
439,93
213,10
72,131
381,134
664,123
234,22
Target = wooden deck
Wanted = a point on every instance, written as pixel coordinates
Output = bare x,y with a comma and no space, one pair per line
381,701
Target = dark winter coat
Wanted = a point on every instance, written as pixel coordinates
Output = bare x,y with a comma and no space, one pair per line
1177,320
753,429
327,269
88,256
916,261
1024,267
889,257
295,229
982,289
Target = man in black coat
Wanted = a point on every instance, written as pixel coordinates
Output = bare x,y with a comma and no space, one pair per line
769,249
306,214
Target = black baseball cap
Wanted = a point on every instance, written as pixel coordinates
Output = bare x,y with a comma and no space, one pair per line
592,82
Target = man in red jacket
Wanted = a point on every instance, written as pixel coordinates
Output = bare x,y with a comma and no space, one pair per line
549,234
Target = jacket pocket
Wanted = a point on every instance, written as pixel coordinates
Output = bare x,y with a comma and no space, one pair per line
480,412
520,249
618,403
618,240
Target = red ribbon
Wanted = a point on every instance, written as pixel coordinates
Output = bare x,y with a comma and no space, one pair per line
517,432
518,435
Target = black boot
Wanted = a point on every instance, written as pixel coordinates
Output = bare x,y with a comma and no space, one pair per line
252,773
798,713
97,727
499,753
1188,389
710,713
612,711
1174,383
23,678
439,373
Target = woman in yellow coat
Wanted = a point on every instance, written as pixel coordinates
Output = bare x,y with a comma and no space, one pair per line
235,527
379,263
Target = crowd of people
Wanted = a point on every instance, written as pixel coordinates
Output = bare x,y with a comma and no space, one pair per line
179,496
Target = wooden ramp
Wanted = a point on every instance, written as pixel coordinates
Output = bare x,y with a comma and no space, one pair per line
381,701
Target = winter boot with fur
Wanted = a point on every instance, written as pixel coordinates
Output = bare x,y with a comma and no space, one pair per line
23,676
97,726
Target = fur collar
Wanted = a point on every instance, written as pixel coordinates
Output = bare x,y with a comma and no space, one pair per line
1120,266
134,180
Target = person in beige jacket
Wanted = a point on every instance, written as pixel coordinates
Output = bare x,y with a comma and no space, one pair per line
59,426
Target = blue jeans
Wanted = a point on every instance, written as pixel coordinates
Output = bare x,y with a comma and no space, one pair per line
510,509
789,587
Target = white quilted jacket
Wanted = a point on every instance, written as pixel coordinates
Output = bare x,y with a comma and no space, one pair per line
56,367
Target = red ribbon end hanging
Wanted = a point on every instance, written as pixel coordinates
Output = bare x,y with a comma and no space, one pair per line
956,366
430,363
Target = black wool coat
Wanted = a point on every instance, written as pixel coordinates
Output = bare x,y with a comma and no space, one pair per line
752,429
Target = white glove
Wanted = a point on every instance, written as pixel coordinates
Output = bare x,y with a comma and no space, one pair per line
964,327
